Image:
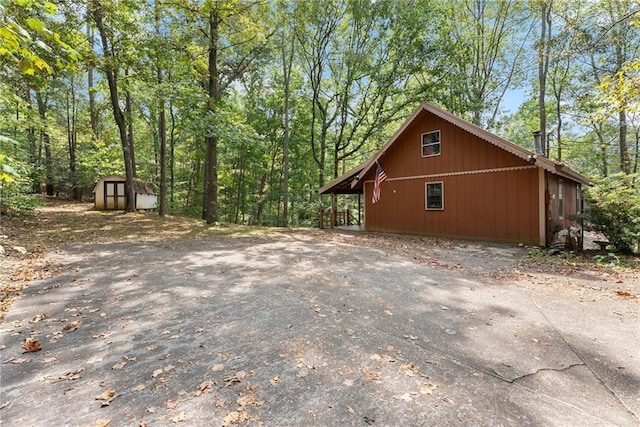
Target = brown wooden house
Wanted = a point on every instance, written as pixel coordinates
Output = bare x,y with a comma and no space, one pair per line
450,178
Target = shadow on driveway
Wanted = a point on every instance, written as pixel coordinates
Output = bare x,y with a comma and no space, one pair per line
292,329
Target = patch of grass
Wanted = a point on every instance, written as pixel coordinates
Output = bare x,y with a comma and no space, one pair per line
609,259
583,259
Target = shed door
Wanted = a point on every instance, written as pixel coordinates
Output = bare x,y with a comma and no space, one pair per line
114,195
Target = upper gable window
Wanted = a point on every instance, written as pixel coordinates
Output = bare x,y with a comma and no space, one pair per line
431,144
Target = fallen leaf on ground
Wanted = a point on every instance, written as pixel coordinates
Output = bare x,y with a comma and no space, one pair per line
231,418
32,345
102,335
217,367
118,366
15,361
139,387
70,327
71,375
106,395
205,387
372,375
38,317
275,381
181,417
49,359
152,410
162,370
171,404
232,379
249,400
102,423
406,397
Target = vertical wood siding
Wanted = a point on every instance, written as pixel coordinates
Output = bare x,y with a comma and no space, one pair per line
494,205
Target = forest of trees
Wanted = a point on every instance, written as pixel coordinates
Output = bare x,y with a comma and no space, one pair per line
239,110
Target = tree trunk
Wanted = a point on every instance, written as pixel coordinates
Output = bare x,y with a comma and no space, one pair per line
543,69
46,142
93,112
162,130
172,146
210,196
72,138
286,72
115,104
129,114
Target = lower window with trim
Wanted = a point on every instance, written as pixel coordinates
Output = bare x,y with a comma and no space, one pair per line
434,192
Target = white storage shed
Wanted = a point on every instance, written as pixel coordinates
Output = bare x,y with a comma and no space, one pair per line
109,194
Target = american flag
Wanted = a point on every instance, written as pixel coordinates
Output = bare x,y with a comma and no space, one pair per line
380,178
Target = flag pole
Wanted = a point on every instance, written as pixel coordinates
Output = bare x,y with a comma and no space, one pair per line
391,185
388,181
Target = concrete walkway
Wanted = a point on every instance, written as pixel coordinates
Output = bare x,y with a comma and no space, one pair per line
293,329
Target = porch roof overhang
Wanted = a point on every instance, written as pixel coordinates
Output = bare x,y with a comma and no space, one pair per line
347,183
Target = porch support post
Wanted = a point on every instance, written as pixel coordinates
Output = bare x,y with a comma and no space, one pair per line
359,209
333,209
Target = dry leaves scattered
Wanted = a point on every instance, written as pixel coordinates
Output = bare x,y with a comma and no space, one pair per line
38,317
274,381
106,397
31,345
15,361
162,370
205,387
232,379
72,326
181,417
240,414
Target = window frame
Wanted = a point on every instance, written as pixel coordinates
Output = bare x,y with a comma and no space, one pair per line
426,196
423,145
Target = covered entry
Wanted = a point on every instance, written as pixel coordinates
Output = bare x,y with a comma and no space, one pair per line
347,184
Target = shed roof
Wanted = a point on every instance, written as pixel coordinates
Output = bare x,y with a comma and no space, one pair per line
351,182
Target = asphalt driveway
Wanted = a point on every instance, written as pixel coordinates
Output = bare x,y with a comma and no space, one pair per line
316,329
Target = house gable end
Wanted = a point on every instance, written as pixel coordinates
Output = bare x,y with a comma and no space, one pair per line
460,151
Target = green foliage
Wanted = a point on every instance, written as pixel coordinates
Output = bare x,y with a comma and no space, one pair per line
14,186
26,39
608,259
612,207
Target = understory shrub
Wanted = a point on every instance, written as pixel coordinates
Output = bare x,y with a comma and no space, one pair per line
612,207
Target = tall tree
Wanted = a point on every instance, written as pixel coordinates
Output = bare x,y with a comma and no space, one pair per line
543,68
234,39
485,41
287,49
109,68
162,125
